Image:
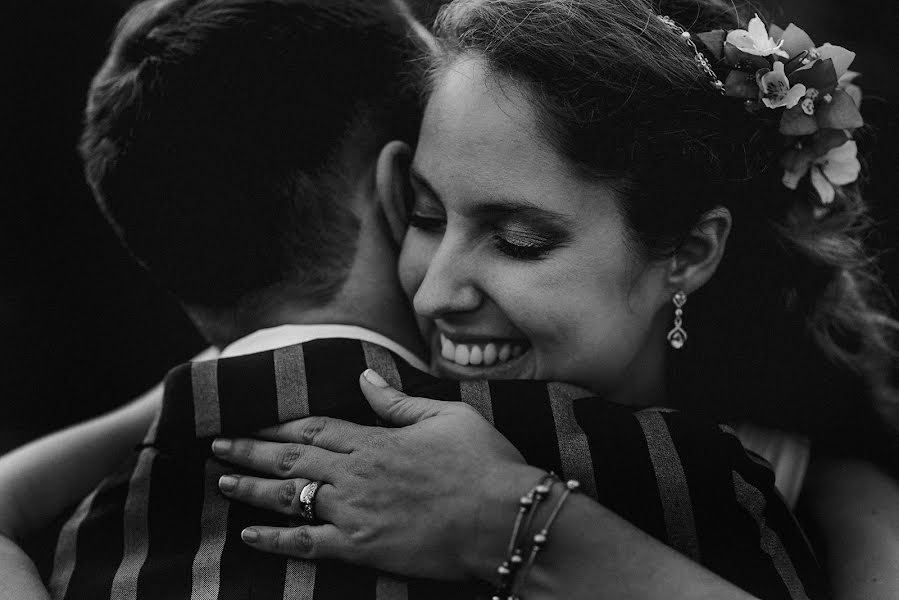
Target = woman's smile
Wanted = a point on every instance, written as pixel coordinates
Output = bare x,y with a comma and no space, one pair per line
460,355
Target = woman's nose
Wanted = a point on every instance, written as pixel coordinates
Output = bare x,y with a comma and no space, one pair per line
449,283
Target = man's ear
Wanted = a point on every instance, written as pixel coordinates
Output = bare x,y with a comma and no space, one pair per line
392,186
699,255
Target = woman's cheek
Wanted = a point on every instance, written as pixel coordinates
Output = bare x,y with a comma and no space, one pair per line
415,256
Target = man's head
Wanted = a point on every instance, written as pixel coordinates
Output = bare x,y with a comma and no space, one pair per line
223,138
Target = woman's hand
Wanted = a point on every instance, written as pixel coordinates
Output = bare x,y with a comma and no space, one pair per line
435,497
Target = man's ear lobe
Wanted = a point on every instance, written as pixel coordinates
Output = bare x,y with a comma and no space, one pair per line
392,186
698,257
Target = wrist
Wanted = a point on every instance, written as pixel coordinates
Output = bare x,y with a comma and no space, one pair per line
495,519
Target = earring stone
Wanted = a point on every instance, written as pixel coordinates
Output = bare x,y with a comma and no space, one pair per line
677,337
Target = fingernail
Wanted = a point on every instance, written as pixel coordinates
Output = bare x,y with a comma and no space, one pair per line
221,446
227,483
375,379
249,535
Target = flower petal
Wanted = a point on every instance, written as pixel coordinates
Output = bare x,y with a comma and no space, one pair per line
841,166
846,84
776,33
840,113
796,122
757,31
714,42
826,140
822,186
796,41
841,57
796,93
843,152
740,38
735,56
854,92
820,75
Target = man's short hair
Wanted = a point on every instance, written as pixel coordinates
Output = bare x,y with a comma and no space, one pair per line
221,136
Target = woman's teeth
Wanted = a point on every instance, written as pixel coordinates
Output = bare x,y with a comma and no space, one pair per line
478,354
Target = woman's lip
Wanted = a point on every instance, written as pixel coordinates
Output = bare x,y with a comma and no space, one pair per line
461,338
508,369
511,369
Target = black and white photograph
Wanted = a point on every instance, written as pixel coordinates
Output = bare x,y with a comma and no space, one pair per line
450,299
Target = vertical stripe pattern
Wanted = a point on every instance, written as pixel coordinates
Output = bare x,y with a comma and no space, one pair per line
477,395
574,448
381,360
754,502
206,570
293,403
299,580
673,488
207,418
390,588
676,478
136,529
290,381
66,549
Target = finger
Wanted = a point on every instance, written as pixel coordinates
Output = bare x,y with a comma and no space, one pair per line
305,541
278,495
393,405
331,434
280,460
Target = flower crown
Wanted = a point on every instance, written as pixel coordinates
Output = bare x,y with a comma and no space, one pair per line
811,87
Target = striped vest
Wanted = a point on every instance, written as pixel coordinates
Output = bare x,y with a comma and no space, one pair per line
160,528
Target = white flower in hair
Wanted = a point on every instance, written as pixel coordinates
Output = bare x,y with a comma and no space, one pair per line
775,90
839,166
755,40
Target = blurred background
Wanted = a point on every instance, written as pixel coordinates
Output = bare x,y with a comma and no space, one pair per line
82,329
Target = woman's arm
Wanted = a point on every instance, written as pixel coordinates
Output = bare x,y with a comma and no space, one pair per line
594,553
19,579
43,478
437,498
851,507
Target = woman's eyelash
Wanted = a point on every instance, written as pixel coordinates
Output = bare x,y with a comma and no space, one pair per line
522,247
426,223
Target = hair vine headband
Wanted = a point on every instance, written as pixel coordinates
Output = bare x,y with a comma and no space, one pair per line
781,72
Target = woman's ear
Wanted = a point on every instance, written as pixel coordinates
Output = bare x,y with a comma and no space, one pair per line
392,186
699,255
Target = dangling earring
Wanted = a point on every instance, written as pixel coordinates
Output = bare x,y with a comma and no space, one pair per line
677,337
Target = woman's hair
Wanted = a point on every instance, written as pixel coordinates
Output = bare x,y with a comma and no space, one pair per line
622,96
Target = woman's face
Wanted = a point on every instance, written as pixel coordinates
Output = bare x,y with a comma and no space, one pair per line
518,267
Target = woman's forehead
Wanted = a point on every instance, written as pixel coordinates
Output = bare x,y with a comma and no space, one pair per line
480,140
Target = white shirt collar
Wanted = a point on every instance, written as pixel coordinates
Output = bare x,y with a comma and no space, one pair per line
288,335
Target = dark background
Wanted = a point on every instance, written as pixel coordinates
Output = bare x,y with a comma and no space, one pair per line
82,329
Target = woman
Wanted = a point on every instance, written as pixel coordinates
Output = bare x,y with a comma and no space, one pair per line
578,175
560,280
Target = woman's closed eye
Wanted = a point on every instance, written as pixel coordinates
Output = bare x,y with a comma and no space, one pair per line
427,222
523,245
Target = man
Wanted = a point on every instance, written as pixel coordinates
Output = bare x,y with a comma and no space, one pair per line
247,153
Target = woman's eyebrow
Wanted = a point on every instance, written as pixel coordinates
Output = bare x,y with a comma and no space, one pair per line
505,208
498,208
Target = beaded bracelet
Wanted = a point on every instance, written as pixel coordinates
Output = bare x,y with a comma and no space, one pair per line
527,506
540,539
